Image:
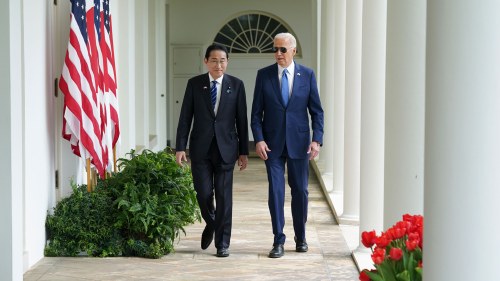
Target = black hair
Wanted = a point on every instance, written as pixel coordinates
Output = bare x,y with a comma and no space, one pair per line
216,47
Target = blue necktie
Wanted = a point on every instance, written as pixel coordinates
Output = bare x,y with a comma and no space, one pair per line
284,87
213,93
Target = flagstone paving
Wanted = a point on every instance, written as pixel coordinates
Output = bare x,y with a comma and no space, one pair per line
328,258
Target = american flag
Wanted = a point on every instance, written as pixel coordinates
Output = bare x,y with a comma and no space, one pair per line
86,85
112,129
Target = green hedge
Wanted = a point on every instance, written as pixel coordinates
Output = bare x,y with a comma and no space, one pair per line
139,211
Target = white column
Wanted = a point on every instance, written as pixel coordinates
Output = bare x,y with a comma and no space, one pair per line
462,141
339,97
373,116
11,142
161,74
141,74
327,89
354,10
124,30
405,110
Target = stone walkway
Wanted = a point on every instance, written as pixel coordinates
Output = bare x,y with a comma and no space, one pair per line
328,258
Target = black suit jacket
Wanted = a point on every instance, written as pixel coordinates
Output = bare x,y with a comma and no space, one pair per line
229,126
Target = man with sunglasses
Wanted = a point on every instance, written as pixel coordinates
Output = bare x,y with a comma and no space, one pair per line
286,94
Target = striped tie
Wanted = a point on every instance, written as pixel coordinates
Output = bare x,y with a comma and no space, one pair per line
284,87
213,93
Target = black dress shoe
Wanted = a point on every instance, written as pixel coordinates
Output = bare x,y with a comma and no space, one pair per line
206,237
301,247
223,252
277,252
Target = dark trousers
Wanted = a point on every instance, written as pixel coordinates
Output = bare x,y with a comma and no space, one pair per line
298,174
214,178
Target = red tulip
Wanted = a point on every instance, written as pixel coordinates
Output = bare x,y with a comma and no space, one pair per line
378,255
383,240
396,232
396,254
363,276
414,236
368,238
411,244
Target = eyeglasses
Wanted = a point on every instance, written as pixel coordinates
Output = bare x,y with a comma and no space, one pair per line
281,49
216,62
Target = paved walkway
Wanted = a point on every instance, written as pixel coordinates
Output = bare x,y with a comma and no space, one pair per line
328,258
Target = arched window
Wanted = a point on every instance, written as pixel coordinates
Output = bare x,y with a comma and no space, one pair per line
251,34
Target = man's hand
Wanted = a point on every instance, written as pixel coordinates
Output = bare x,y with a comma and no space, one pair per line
261,149
243,162
313,150
179,157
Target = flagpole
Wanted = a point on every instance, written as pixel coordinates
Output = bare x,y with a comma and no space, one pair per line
94,179
114,159
89,183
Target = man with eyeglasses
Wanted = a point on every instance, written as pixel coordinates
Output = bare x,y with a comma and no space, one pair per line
286,95
215,105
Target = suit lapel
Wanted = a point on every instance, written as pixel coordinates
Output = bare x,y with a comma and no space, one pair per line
296,82
226,87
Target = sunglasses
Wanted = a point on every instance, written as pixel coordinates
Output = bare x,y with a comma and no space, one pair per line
281,49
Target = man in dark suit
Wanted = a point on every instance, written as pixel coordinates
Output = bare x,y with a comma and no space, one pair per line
286,94
215,105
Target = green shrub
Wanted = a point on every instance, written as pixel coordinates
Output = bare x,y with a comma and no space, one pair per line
155,199
139,211
83,222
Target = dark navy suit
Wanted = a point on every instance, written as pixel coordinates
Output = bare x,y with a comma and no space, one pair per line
287,133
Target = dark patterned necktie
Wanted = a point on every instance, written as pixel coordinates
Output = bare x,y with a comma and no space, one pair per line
284,87
213,93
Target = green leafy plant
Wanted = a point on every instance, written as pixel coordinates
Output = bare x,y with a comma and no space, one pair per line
83,222
138,211
396,253
155,199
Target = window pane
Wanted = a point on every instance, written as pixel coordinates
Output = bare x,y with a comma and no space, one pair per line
250,33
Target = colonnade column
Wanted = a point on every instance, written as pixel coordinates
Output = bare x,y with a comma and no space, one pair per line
462,141
327,89
405,110
339,96
373,116
124,30
11,142
354,9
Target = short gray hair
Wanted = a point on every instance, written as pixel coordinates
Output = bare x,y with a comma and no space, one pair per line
288,37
